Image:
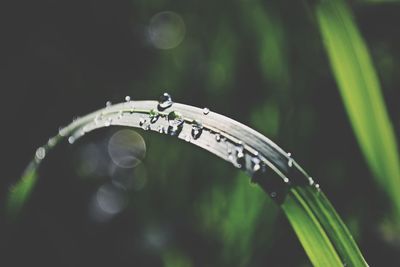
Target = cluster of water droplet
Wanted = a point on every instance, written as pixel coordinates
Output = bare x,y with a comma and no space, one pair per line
238,153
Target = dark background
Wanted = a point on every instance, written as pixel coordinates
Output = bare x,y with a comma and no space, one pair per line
262,64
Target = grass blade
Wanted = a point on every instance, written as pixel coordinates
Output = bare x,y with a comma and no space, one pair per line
20,192
323,235
322,231
361,94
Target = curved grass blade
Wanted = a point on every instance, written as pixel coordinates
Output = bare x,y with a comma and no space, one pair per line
361,93
320,230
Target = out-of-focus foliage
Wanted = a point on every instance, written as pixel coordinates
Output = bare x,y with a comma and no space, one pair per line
361,94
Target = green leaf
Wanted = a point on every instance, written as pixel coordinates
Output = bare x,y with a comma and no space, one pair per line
361,93
20,192
320,230
323,235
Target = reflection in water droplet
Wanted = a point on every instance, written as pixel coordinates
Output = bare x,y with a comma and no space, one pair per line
166,30
197,129
40,153
206,111
126,148
153,115
127,98
165,101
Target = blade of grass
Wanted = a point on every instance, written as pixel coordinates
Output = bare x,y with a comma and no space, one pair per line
309,231
20,192
326,220
361,94
323,235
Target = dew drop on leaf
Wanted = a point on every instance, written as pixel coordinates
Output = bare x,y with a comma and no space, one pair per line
153,115
197,129
165,101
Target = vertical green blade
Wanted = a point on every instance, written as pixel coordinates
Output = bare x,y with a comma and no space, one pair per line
361,93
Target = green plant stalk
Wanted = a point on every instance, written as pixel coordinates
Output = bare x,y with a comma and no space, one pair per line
323,235
361,94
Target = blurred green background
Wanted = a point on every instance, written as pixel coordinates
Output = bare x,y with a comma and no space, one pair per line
262,63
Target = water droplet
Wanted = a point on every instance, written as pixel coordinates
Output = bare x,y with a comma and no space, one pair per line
61,131
165,101
317,186
197,129
40,153
240,158
146,127
51,142
175,121
310,180
217,137
141,121
161,129
71,139
273,194
206,111
127,98
290,160
108,103
132,109
256,164
153,115
286,180
108,122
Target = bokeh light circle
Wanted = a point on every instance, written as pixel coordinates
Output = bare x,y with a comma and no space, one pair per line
127,148
166,30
